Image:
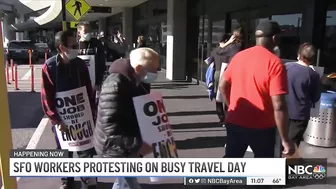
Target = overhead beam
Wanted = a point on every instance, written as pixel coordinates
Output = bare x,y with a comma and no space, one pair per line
6,7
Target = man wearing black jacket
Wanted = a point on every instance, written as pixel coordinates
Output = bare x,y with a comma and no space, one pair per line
89,45
117,133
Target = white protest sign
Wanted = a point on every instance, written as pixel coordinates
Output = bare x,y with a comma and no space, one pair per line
219,97
315,109
74,108
154,126
90,63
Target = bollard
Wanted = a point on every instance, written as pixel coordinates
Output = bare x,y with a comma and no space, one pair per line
46,55
12,69
30,57
7,73
32,78
16,78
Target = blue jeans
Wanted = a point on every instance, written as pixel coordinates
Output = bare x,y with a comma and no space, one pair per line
261,141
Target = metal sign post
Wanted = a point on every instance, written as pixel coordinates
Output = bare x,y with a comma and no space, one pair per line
6,133
64,23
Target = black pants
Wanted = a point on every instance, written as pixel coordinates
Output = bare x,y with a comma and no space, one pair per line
220,110
69,181
296,130
261,141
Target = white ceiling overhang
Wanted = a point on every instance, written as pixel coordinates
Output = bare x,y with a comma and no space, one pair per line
55,9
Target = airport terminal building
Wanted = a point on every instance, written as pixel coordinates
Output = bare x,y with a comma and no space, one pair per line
185,31
189,29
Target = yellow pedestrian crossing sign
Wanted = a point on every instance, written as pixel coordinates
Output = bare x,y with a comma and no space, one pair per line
77,8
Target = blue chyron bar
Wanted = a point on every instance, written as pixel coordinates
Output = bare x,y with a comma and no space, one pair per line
301,172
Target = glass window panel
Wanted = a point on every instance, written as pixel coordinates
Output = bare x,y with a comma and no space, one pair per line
330,39
290,37
218,29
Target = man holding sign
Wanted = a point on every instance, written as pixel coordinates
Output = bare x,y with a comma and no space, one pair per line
68,101
117,133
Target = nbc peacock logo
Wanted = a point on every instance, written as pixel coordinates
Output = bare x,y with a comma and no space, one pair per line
319,172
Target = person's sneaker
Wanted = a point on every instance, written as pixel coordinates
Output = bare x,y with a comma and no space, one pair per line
67,185
64,186
221,121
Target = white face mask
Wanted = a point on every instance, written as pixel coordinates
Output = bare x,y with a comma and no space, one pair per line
86,37
276,51
150,77
73,53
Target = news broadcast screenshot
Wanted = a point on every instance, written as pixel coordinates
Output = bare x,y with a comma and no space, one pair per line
98,111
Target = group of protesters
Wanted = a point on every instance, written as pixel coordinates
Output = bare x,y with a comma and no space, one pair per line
66,76
260,95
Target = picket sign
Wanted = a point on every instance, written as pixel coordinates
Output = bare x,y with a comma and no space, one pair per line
74,108
154,126
90,63
219,97
315,109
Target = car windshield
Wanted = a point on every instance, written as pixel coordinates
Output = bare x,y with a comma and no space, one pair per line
20,45
41,45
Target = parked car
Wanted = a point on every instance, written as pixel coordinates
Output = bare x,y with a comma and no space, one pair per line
19,51
43,48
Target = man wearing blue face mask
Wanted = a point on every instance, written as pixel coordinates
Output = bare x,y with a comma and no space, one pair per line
117,133
64,76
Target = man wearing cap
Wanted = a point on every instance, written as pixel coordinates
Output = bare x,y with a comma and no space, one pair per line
254,87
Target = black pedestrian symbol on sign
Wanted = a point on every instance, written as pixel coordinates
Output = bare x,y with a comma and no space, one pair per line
78,6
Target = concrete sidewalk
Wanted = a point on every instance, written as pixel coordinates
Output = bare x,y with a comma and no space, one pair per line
197,134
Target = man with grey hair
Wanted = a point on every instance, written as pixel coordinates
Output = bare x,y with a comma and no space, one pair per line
117,133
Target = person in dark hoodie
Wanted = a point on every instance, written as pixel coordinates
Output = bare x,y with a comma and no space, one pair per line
61,75
228,47
89,45
117,133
